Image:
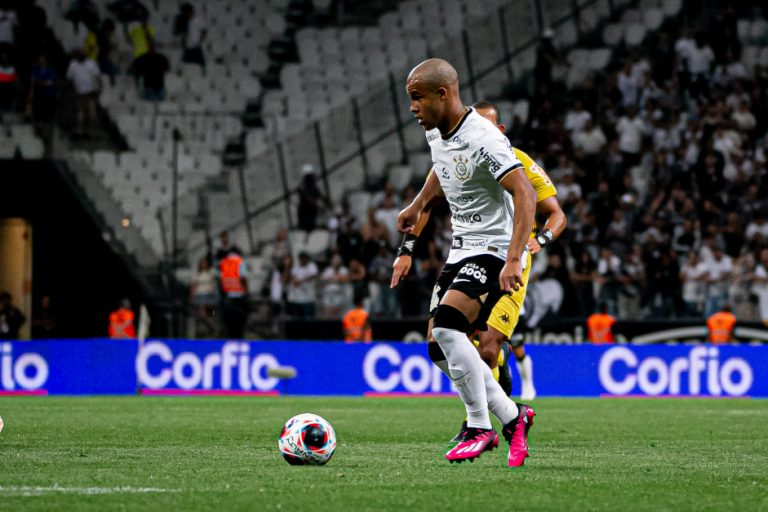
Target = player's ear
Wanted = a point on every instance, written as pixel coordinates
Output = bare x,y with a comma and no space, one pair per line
502,128
443,93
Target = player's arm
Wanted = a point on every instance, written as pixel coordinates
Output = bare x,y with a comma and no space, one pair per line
524,198
555,225
411,222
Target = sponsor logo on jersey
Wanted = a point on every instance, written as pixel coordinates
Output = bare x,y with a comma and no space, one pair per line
461,242
444,172
432,136
466,217
493,164
462,169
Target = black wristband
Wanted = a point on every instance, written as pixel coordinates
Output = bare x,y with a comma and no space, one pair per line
545,237
406,247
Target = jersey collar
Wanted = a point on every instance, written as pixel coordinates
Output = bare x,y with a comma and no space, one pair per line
458,125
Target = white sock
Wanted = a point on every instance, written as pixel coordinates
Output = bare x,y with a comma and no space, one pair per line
498,402
466,371
525,368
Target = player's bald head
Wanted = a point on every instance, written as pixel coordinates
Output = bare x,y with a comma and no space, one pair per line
434,74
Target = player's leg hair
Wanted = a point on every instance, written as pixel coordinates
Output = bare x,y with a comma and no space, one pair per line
450,328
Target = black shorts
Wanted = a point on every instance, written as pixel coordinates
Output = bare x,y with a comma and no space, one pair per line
476,277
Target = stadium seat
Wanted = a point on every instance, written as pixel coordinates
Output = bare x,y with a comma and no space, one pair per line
653,18
645,5
420,164
613,34
318,242
758,32
566,34
400,176
632,16
359,202
672,7
599,58
578,57
750,56
634,34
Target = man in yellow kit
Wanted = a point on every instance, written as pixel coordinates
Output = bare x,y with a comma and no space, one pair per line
505,314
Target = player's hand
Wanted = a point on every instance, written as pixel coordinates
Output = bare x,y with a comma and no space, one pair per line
511,277
407,218
400,269
533,246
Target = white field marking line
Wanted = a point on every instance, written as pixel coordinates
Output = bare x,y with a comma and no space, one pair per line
37,491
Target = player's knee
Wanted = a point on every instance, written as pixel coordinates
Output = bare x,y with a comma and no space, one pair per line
448,317
436,354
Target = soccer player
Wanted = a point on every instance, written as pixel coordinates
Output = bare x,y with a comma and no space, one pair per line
473,167
506,312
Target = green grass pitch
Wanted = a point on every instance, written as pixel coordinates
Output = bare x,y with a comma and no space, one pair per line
220,453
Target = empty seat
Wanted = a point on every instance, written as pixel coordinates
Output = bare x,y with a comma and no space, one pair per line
613,33
400,176
599,58
653,18
634,34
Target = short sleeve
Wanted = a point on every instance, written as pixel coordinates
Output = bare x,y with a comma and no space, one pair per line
493,152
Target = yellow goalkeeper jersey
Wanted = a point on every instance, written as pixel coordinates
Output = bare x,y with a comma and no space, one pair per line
539,180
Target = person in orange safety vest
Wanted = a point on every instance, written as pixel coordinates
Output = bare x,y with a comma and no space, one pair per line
599,326
356,323
720,326
121,322
234,292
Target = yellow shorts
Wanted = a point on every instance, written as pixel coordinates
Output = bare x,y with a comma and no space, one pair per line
506,312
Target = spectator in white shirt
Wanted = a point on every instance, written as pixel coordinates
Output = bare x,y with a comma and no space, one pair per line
760,285
757,228
631,130
568,191
8,22
302,295
193,36
744,118
718,274
336,292
590,139
576,118
86,80
692,276
700,60
628,86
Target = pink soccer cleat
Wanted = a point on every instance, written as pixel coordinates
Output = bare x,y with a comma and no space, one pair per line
516,433
475,442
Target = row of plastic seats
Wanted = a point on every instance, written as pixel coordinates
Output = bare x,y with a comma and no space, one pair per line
313,243
753,32
754,55
21,139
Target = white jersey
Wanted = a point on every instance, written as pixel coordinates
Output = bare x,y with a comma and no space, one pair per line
470,162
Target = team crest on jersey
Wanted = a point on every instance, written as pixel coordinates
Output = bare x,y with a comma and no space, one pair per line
462,169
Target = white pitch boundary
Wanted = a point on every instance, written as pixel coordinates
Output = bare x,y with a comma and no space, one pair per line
38,491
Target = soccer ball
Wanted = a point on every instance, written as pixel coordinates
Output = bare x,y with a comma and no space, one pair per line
307,439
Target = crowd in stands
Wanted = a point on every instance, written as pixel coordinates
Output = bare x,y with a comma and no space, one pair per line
27,82
34,72
660,166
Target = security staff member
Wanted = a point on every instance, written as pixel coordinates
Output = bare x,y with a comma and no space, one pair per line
121,322
234,292
720,326
599,326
